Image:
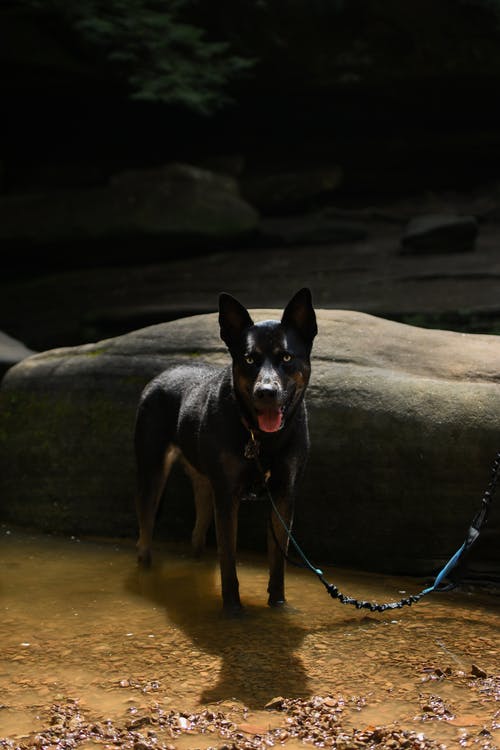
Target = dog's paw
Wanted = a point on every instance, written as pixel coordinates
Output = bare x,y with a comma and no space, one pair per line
278,603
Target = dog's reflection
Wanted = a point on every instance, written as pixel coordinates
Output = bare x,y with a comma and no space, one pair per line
258,650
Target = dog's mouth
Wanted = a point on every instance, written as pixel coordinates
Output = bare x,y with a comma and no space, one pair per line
270,419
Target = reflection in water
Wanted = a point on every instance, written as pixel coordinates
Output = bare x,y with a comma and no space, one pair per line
79,621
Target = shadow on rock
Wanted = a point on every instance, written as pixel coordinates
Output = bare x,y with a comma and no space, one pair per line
257,649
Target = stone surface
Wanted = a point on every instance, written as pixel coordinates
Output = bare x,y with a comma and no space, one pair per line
440,233
288,192
11,352
176,202
310,229
404,427
458,291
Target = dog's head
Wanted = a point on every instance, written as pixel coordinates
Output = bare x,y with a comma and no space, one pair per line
271,359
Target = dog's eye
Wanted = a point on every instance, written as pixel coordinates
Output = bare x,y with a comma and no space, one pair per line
286,357
249,360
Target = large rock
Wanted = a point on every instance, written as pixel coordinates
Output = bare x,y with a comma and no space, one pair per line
440,233
285,193
12,351
178,203
404,426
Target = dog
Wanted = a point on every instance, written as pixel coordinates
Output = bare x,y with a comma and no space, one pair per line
213,420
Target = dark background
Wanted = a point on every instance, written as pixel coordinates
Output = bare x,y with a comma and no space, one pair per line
403,97
405,91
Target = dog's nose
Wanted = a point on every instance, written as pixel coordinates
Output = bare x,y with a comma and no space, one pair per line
266,391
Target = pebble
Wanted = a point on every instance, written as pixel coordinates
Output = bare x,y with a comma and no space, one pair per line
316,720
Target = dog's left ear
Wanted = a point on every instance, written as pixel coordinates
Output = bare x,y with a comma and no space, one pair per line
233,319
299,314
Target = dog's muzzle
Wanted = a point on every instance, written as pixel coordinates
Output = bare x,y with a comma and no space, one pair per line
268,404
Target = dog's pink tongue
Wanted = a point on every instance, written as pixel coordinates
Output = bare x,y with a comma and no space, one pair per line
269,420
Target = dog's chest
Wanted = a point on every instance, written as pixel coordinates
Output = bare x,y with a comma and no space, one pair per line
254,489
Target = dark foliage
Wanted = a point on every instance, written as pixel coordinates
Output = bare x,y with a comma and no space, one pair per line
163,57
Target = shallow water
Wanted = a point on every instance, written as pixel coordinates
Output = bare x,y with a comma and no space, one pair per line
79,622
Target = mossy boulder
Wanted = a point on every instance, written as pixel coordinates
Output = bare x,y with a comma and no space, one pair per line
177,204
404,427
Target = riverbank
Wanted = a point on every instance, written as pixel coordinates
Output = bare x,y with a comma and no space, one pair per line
95,652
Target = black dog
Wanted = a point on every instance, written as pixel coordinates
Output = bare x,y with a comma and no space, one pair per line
209,418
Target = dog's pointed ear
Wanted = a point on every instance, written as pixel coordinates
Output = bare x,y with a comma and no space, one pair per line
299,314
233,319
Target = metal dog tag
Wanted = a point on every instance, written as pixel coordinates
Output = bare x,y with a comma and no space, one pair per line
252,448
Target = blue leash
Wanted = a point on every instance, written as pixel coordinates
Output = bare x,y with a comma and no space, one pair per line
472,535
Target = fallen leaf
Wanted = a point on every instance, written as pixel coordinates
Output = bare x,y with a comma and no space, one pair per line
253,728
331,702
466,721
275,703
477,671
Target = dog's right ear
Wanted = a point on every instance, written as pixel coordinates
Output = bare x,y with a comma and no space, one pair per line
233,319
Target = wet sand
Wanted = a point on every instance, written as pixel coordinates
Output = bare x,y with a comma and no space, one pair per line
96,652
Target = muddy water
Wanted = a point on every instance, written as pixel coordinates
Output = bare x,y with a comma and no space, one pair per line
81,626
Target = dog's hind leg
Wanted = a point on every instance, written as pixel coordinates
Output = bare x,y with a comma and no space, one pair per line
152,480
155,454
204,504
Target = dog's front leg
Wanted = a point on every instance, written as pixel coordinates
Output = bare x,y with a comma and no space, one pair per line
226,528
277,545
